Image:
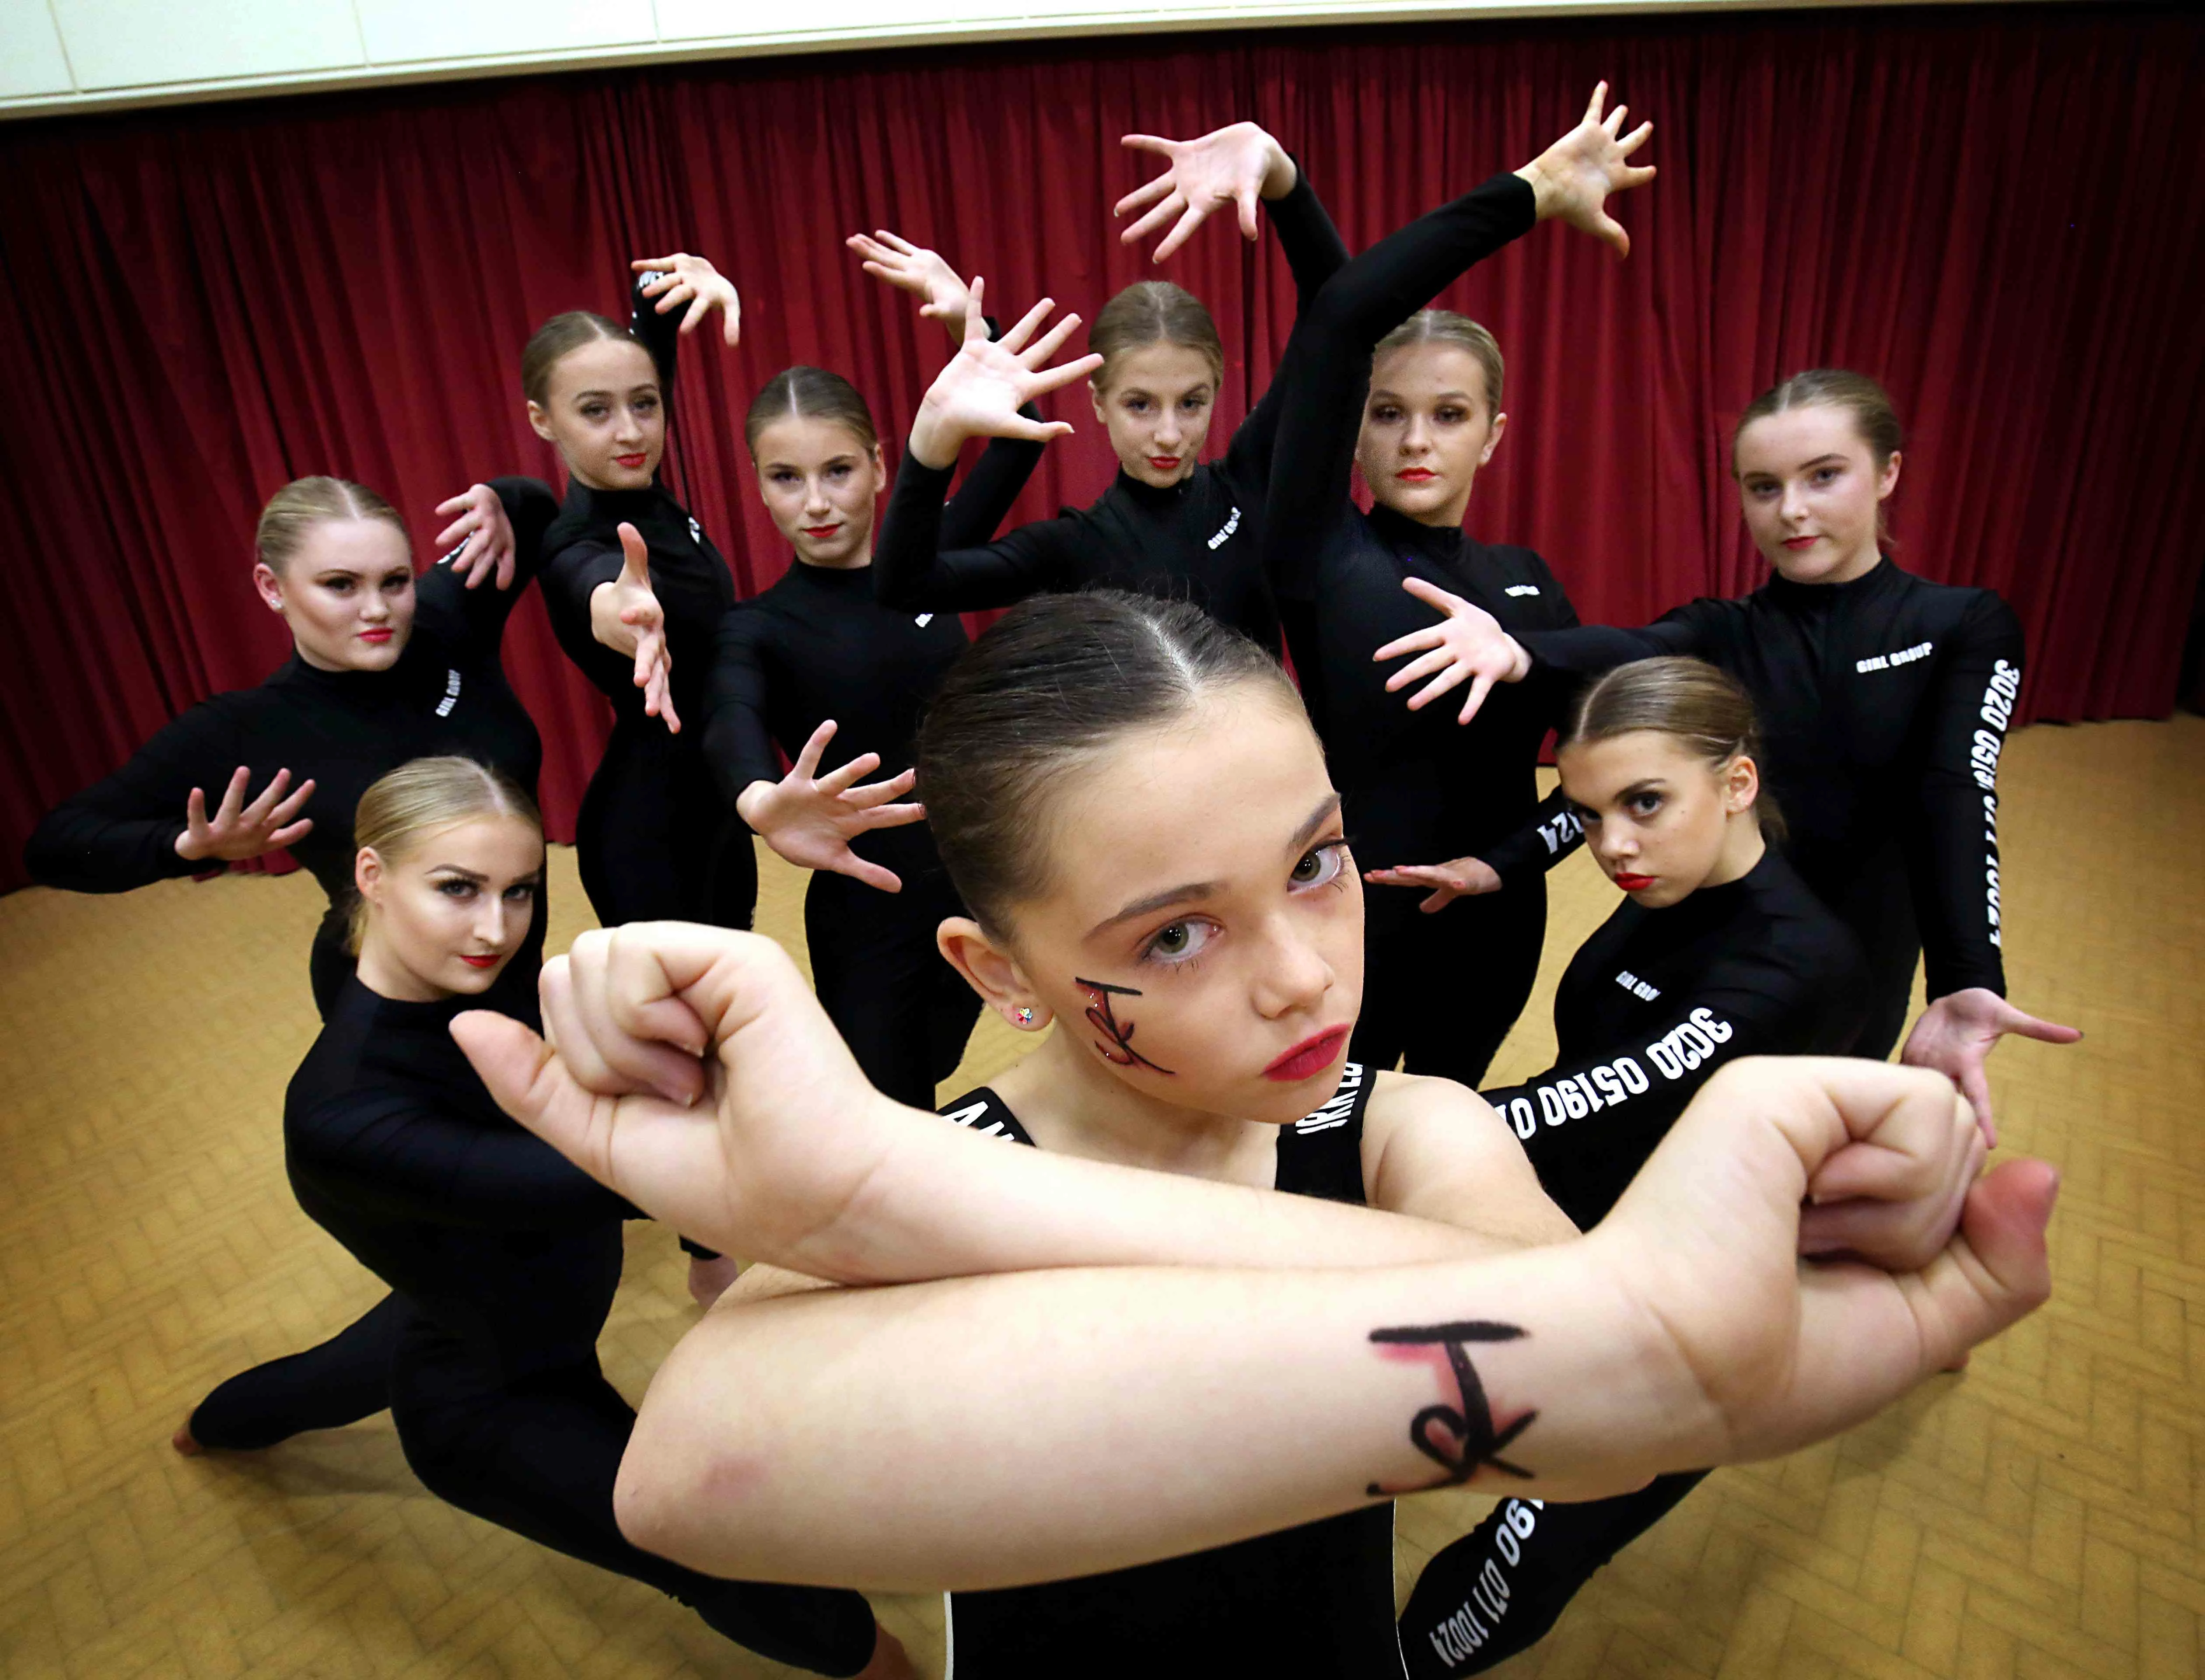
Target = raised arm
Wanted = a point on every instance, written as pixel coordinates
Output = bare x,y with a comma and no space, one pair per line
492,550
1953,858
150,821
987,390
984,499
669,298
1327,366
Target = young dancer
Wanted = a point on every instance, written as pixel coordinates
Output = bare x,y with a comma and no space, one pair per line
817,660
1718,952
636,592
1160,868
385,667
1444,990
1884,699
504,1258
1172,525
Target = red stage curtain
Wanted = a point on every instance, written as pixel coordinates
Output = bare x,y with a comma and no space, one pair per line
1986,208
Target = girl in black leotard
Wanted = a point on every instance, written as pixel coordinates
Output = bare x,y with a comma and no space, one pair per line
1443,990
636,591
814,660
1719,952
1130,798
503,1257
385,667
1884,699
1173,525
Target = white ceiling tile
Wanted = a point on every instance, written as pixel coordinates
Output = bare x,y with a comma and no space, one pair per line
31,58
403,31
134,43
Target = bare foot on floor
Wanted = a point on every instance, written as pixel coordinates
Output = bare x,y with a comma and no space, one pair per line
709,1279
185,1442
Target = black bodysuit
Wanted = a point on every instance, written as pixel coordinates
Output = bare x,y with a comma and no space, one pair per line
1418,787
446,693
1883,704
1651,1006
1310,1601
818,645
1199,540
654,840
504,1258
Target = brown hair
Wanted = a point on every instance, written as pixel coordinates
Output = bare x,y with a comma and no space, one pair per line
550,344
1444,326
1874,416
811,393
305,502
422,798
1032,703
1704,710
1154,311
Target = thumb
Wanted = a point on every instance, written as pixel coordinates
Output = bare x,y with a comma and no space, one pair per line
635,557
2004,1225
2046,1032
526,1079
1246,196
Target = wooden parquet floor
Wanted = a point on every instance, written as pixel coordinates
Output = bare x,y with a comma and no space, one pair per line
2035,1517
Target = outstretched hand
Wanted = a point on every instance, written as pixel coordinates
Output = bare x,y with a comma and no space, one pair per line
1467,643
625,616
1233,165
237,830
811,819
1573,178
1883,1161
684,279
1957,1034
479,539
1465,877
980,392
941,292
692,1070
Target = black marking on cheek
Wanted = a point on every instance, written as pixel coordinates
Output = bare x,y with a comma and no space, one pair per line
1461,1441
1120,1051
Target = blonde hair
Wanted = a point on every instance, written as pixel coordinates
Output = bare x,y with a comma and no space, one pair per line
305,504
559,337
1154,311
423,798
1706,710
1444,326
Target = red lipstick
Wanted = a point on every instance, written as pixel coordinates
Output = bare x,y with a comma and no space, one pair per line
633,463
1634,883
820,533
1416,475
1796,544
490,961
1309,1058
378,637
1164,463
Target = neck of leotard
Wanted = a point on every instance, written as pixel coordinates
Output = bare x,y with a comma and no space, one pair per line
1070,1102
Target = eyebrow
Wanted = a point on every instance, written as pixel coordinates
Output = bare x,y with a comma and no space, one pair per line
1644,785
1202,889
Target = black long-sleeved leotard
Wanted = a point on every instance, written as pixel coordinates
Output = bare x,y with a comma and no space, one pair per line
1420,788
446,693
395,1147
1657,1001
1883,704
1200,539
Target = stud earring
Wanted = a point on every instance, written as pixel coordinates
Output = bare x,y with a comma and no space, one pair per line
1023,1016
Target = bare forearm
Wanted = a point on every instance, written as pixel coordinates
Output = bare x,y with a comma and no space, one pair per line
935,1436
944,1203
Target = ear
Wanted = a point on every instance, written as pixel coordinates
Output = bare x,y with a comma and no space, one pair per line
991,972
1493,438
1095,397
269,584
539,422
1887,480
1741,784
367,874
